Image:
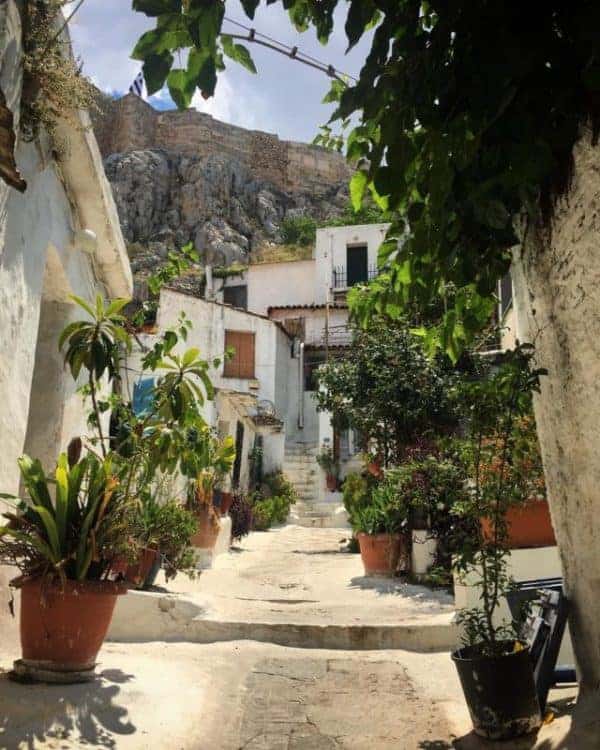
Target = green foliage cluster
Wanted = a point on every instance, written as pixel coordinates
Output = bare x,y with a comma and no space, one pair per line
385,387
298,230
498,406
74,523
458,158
327,460
271,503
102,503
169,527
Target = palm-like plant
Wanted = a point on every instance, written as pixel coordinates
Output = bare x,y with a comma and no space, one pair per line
75,524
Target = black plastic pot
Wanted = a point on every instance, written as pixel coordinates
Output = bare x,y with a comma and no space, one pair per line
500,692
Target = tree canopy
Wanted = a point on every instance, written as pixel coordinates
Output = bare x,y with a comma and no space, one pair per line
386,388
467,114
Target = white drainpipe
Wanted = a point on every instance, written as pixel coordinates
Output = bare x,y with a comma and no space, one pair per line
209,291
301,386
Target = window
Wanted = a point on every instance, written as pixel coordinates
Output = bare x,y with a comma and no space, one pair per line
312,361
236,296
241,364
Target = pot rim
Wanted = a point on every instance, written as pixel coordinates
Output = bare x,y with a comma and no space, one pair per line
458,654
382,535
68,586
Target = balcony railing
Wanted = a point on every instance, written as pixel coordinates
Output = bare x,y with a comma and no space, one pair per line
340,277
334,336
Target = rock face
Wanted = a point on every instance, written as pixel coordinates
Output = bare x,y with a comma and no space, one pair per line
167,199
180,177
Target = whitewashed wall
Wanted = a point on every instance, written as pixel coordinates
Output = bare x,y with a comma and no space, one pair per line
41,264
273,284
330,251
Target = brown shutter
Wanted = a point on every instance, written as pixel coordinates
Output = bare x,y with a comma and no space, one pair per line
241,365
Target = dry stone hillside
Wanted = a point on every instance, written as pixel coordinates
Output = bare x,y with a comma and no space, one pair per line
184,176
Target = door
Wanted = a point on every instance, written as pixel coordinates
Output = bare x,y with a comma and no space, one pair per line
357,264
239,446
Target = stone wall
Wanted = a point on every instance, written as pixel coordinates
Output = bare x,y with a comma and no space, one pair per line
129,124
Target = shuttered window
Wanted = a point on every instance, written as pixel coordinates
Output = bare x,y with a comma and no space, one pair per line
241,365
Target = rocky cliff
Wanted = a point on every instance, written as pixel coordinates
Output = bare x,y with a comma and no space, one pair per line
181,177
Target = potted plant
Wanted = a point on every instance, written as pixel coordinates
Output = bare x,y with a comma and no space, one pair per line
328,462
528,522
173,528
206,460
80,522
381,526
63,542
494,666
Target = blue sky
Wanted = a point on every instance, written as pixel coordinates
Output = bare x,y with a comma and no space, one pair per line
285,96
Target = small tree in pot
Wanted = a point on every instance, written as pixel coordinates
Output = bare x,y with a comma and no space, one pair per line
494,666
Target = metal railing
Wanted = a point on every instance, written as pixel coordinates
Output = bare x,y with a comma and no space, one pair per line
340,276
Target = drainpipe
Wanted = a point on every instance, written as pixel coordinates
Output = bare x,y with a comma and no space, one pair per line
301,386
209,290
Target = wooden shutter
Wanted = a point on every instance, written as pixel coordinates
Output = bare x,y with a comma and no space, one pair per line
241,365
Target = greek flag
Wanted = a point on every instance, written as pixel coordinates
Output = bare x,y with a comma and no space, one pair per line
137,87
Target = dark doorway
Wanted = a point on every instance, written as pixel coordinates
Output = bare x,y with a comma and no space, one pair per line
239,445
357,264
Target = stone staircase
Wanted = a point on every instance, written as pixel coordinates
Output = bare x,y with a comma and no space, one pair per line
301,468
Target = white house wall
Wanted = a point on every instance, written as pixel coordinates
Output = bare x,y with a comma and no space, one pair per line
41,264
273,284
331,246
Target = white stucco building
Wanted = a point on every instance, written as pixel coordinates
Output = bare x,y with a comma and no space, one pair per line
284,320
59,237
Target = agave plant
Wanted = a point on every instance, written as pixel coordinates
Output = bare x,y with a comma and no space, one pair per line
74,524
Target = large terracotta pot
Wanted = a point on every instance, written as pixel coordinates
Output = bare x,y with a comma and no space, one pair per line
529,525
381,553
331,482
64,626
208,531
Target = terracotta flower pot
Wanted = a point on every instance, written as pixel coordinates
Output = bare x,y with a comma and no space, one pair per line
331,481
137,573
63,627
226,500
208,531
529,525
381,553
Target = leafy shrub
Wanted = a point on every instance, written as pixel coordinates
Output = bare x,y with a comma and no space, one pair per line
172,528
271,504
298,230
387,511
356,493
241,515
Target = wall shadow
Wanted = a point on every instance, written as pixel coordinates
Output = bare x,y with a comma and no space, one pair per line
87,714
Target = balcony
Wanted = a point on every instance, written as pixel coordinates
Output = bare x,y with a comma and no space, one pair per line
341,280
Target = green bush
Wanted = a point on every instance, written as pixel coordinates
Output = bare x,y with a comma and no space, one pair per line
271,505
356,492
387,511
298,230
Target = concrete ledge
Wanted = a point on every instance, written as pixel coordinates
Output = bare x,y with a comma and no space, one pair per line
146,616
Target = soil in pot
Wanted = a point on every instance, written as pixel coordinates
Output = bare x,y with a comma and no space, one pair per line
63,626
208,530
529,525
381,553
499,691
